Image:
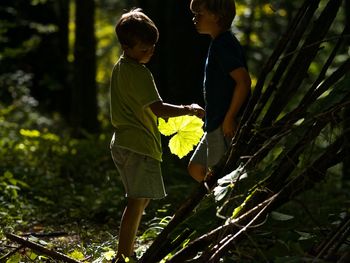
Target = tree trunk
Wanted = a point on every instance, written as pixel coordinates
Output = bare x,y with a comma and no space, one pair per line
63,74
84,99
346,163
46,26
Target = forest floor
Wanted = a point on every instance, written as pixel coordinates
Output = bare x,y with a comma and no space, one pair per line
80,228
72,203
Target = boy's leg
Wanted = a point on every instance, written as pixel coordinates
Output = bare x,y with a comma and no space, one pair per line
209,151
217,145
197,171
197,167
129,224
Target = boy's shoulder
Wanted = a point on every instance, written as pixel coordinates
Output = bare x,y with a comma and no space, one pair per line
125,65
132,72
227,36
226,40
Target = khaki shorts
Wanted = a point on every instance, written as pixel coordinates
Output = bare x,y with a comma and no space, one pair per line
211,148
141,174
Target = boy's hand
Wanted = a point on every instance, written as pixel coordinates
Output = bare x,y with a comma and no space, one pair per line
229,127
197,110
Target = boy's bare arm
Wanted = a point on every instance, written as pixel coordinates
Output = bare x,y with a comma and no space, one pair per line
166,110
241,91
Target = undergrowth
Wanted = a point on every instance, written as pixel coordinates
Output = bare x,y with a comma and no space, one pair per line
68,189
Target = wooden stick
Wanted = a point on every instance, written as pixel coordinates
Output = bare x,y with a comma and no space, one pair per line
9,254
41,249
50,234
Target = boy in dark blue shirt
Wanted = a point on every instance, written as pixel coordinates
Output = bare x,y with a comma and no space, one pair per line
226,82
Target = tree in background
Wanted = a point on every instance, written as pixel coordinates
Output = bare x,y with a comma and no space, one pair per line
34,40
84,95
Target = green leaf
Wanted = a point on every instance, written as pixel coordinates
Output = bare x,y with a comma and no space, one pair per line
76,255
281,217
14,259
188,132
231,178
304,235
109,255
29,133
220,192
32,255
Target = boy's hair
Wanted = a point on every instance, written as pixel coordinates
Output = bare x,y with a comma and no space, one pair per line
134,27
224,9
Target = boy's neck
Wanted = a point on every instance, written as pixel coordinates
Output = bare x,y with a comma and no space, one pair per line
125,55
215,33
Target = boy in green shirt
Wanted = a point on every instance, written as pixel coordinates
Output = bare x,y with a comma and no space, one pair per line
135,105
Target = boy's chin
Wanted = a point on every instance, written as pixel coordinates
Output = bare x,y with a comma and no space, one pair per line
202,32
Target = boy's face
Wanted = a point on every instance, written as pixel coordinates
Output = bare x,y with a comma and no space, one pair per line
141,53
205,22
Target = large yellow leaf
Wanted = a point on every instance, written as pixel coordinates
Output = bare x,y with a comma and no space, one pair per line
188,131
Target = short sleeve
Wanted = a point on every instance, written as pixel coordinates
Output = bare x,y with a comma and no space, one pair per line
229,54
145,91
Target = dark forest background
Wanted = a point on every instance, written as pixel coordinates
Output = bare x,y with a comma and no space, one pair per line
56,174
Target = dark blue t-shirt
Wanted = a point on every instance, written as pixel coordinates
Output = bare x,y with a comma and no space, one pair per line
224,55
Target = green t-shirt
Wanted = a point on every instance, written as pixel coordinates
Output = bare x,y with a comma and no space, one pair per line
132,91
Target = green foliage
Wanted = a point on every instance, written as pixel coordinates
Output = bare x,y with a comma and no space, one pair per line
59,183
47,177
50,181
108,51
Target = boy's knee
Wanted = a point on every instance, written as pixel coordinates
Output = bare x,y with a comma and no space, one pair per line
197,171
189,167
138,203
146,203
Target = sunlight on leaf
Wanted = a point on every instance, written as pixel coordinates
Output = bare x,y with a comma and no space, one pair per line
188,131
220,192
282,12
76,255
38,2
237,174
32,255
226,183
14,259
51,137
29,133
109,255
267,9
240,9
238,209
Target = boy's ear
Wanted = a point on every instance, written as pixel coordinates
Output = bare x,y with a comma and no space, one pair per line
217,18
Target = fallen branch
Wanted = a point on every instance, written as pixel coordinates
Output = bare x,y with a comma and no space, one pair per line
51,234
9,254
41,249
232,228
213,247
331,245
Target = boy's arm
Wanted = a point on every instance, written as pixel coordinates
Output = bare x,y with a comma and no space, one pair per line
166,110
241,91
